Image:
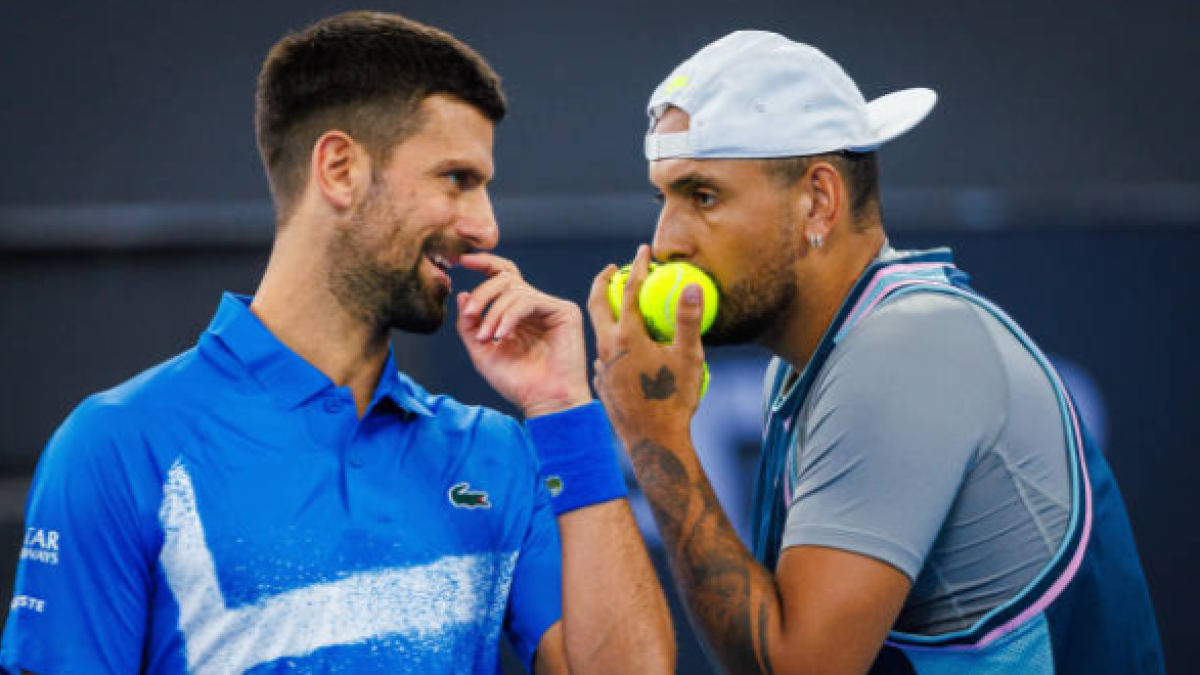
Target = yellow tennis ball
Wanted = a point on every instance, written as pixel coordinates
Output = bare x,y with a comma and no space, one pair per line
659,298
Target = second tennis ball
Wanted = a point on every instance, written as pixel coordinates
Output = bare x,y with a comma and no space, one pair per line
659,298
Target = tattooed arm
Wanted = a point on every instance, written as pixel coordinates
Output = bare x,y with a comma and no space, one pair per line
838,605
823,611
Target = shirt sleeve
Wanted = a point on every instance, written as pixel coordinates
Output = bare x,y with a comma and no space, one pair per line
891,428
535,603
81,592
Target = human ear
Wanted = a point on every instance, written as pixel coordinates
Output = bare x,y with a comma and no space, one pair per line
340,169
824,202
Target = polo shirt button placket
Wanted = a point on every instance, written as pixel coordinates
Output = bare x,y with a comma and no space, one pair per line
333,405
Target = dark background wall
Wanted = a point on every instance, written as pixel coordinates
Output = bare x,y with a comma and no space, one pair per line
1059,164
123,101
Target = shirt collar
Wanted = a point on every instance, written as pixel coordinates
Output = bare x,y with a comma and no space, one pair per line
285,374
403,391
886,252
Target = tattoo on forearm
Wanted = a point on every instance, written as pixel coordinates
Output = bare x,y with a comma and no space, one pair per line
660,387
713,570
659,467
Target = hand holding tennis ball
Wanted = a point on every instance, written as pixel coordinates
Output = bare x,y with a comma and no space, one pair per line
659,299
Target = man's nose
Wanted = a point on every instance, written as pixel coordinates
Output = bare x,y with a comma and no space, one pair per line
477,223
672,240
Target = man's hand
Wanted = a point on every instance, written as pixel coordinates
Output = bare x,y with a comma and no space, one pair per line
528,345
824,611
649,389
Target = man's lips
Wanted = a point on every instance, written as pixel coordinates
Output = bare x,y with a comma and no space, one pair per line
442,264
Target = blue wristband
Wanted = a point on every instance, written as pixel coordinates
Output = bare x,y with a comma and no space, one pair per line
578,457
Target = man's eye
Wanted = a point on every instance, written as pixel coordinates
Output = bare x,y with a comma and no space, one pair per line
704,199
463,180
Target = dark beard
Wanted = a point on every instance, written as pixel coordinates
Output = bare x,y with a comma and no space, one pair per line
749,309
381,296
386,298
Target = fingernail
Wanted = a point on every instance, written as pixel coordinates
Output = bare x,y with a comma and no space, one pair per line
691,294
470,308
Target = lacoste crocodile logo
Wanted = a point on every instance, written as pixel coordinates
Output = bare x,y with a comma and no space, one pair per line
463,497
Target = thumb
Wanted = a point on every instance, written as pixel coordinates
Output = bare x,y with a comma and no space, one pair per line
688,315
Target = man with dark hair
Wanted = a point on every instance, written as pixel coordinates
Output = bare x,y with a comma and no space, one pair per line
280,498
927,499
364,73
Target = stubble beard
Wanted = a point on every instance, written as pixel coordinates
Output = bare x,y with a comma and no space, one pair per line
752,307
381,295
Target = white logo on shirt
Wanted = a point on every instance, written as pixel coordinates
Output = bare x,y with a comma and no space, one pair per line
28,602
427,603
40,546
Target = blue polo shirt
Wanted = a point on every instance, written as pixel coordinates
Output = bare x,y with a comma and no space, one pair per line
228,512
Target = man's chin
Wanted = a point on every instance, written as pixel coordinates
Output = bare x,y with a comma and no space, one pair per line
423,319
421,329
742,332
421,325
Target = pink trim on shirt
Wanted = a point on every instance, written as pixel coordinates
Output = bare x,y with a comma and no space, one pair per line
1054,591
890,269
1068,574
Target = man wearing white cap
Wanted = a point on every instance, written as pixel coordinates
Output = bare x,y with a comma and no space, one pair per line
928,501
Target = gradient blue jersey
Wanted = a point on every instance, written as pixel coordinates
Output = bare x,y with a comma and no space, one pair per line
228,512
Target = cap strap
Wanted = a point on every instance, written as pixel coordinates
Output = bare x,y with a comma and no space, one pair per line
666,146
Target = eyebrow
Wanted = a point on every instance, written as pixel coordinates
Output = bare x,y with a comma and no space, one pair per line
691,181
462,166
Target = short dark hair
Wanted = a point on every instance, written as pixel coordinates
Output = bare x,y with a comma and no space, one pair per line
860,170
365,73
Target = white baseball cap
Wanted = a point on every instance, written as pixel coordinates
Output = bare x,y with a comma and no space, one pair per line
758,94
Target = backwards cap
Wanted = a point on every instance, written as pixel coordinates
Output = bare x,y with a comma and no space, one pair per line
754,94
